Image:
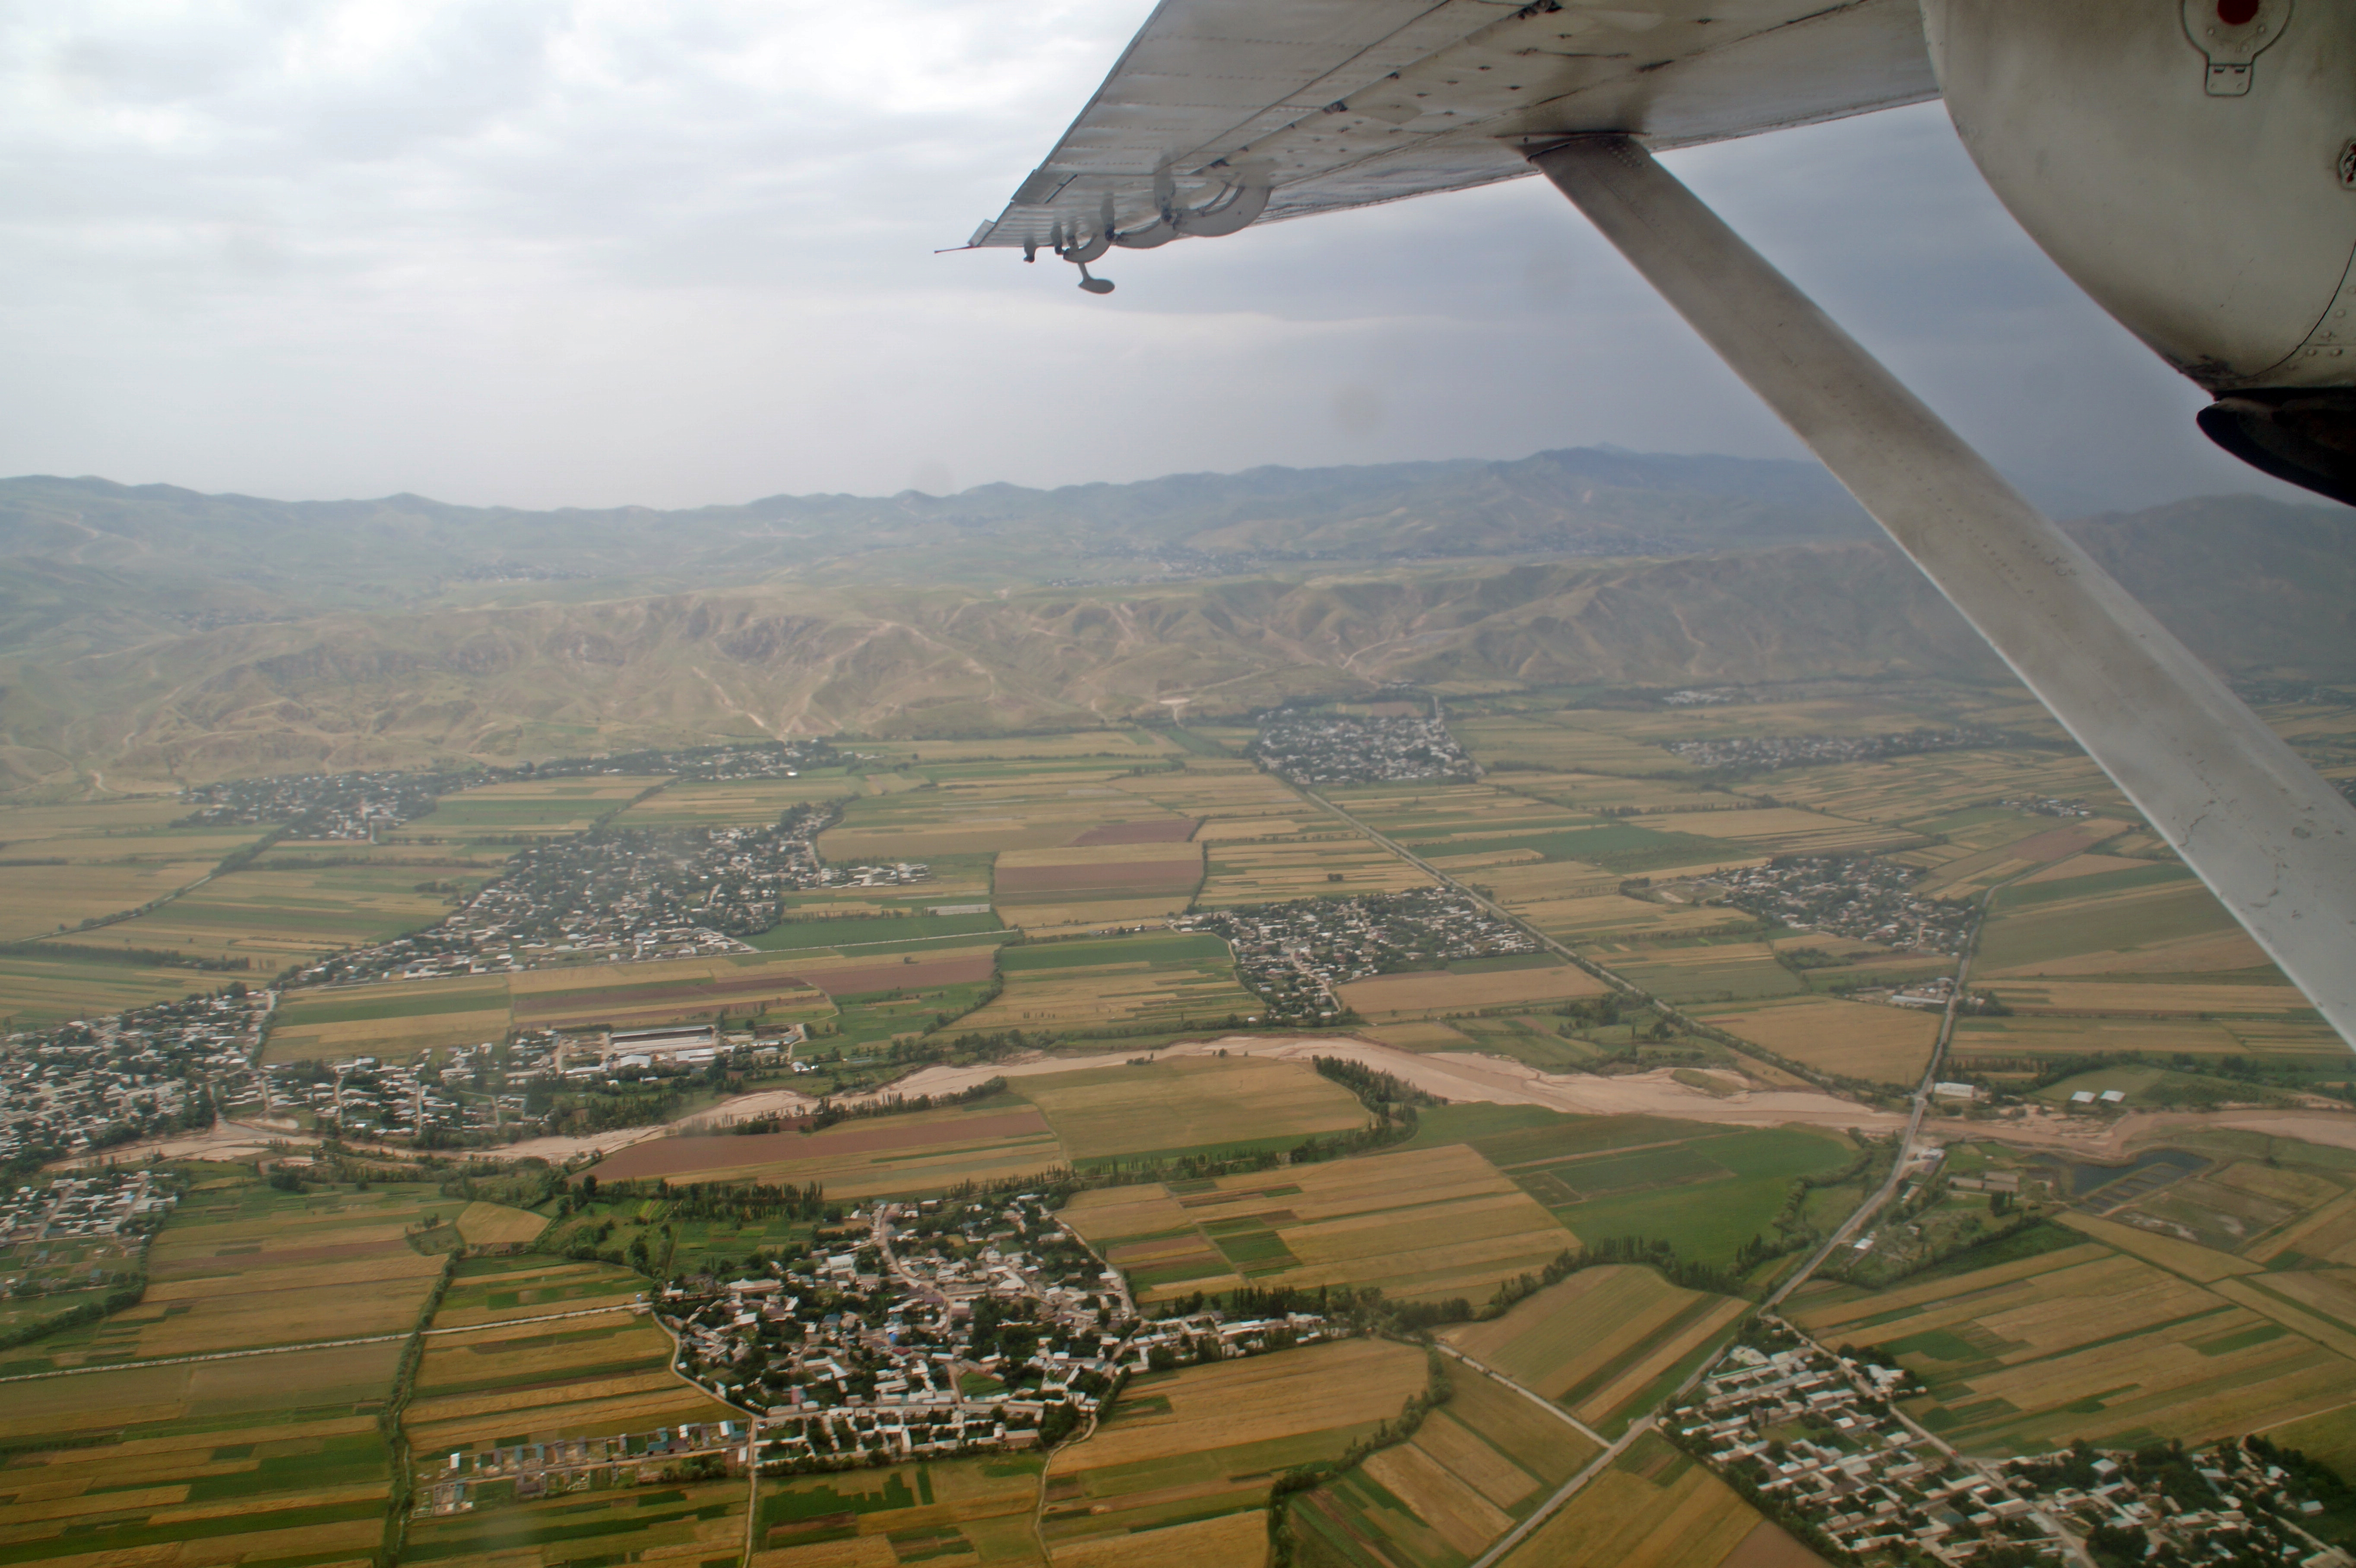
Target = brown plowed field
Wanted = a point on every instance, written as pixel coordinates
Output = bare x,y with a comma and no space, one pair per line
1110,876
666,1156
856,979
1159,830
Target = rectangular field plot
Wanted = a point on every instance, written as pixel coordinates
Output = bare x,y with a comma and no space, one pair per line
923,1151
957,1510
1703,972
1602,1342
1992,1044
495,1224
520,1374
43,900
1479,1464
1421,1224
247,1265
972,810
268,1458
38,993
1571,902
1453,819
657,1520
2053,848
1100,884
1219,791
1126,747
1783,830
677,990
1137,870
1852,1039
1325,859
1424,992
392,1019
2023,1356
1563,742
1206,1441
527,809
1933,784
748,802
2102,925
1189,1104
1654,1509
279,917
2114,998
1704,1189
1176,978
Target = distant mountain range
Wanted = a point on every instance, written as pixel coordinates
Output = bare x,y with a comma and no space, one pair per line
155,633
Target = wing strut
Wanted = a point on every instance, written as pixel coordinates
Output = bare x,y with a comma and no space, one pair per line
2270,836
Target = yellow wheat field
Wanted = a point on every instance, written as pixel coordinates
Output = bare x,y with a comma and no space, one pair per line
1436,991
1229,1403
1686,1518
488,1224
1853,1040
1231,1541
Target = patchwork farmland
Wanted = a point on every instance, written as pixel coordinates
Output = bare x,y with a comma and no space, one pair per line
2199,1305
1422,1224
1203,1442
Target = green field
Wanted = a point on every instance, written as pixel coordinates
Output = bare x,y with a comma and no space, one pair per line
876,934
1704,1189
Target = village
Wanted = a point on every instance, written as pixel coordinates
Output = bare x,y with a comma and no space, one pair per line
1812,1436
953,1326
85,1087
913,1330
1857,896
1294,954
1317,747
613,894
361,805
503,1088
322,805
80,1232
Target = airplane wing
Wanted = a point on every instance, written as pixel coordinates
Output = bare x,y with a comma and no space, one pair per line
1223,113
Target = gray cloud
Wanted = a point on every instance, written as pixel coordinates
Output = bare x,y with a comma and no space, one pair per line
596,253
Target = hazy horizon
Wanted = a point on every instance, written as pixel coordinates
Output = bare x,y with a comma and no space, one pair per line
581,258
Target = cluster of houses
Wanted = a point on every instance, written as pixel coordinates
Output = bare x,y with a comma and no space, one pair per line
79,1233
322,806
1317,747
2047,806
930,1328
527,1470
1814,1434
90,1085
1815,1437
1858,896
628,894
1294,954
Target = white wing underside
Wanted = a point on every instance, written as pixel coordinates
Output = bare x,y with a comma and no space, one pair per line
1328,104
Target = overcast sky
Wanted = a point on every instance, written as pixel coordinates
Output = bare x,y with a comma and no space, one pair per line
603,252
